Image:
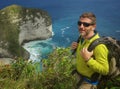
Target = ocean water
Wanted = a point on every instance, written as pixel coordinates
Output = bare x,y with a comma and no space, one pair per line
65,14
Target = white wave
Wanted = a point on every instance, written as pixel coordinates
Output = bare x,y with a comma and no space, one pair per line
118,31
38,49
63,30
53,33
68,39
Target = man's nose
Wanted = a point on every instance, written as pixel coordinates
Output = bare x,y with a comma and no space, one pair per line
81,26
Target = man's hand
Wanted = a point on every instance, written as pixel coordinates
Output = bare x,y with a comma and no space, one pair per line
86,54
74,45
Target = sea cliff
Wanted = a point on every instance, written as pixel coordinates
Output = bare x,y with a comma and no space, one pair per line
19,25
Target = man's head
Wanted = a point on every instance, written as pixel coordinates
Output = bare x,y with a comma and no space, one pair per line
87,25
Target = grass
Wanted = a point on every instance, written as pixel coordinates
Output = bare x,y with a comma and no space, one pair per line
56,73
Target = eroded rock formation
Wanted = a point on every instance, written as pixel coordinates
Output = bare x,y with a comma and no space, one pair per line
19,25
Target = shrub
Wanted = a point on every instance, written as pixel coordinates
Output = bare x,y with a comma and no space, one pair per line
55,74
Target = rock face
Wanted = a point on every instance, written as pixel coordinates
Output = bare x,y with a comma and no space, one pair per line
19,25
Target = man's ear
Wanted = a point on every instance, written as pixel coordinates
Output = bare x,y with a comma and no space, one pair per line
94,26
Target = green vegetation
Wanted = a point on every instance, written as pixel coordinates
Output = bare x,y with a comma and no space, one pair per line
56,73
9,31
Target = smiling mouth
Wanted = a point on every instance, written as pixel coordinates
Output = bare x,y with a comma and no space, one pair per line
82,30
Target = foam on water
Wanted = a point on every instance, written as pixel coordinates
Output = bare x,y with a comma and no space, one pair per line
39,49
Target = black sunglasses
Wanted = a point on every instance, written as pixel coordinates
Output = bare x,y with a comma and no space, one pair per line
84,24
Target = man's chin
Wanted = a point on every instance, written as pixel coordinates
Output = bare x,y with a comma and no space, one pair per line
82,34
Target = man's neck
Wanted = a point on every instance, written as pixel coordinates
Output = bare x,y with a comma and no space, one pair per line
89,36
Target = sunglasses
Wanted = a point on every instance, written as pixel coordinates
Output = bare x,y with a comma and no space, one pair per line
84,24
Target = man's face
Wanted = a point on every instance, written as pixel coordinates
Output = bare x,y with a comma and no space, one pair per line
85,27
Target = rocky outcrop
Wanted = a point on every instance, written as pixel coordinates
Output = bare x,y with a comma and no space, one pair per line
19,25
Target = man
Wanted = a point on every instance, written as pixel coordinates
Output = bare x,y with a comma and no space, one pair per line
89,63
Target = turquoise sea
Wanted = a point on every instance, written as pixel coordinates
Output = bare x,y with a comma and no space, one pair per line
65,14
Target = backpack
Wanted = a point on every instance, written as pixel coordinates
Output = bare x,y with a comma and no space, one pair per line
113,46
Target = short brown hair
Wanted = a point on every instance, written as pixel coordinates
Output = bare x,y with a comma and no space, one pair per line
89,15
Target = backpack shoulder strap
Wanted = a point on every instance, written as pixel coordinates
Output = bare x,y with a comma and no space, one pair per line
108,41
78,40
95,43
